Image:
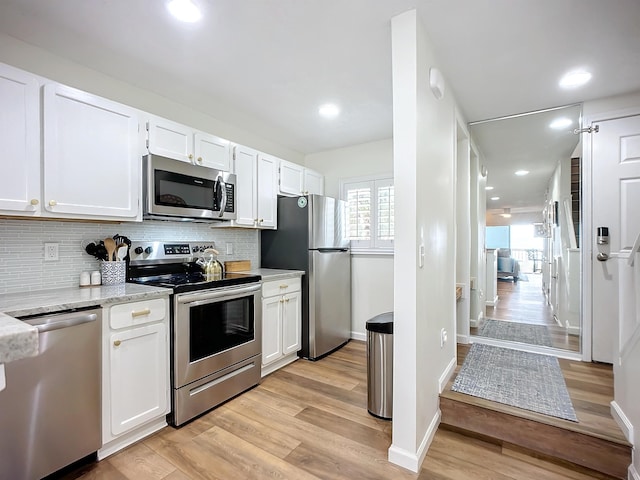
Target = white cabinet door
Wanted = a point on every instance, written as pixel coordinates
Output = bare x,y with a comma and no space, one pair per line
271,329
292,323
20,141
313,182
267,195
170,139
291,178
211,151
138,376
91,156
246,179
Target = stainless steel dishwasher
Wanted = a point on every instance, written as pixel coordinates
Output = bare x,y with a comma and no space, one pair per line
50,410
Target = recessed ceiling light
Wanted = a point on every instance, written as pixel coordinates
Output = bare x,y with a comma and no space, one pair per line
522,173
184,10
488,188
575,79
495,198
329,110
560,123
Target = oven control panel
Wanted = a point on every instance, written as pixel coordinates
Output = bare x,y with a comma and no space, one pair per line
148,251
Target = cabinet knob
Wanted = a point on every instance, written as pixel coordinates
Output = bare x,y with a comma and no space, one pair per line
52,203
286,300
261,220
140,313
34,201
190,156
284,285
199,159
282,300
117,343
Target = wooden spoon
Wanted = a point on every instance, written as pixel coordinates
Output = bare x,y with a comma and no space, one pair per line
110,245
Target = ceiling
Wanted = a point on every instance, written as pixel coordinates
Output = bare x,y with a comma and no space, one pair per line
266,65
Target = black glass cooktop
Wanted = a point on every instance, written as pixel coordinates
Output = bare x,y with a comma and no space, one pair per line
193,281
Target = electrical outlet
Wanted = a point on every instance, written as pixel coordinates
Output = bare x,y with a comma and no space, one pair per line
229,248
50,252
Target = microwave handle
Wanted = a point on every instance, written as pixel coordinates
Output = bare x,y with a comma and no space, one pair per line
223,194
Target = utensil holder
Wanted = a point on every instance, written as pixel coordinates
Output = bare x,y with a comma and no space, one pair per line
113,273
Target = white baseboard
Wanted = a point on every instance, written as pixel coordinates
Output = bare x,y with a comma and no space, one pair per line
633,473
464,339
278,364
359,336
623,422
446,375
413,461
492,303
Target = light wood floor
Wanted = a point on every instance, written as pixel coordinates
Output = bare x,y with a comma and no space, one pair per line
309,421
524,301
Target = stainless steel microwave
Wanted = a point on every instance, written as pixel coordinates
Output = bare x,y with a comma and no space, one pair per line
175,190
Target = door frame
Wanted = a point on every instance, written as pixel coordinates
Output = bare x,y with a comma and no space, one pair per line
587,222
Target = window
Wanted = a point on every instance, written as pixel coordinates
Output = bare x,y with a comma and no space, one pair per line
369,212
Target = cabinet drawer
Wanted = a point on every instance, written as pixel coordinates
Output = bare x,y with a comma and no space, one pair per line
280,287
138,313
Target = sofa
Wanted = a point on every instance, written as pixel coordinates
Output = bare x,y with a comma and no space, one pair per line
508,267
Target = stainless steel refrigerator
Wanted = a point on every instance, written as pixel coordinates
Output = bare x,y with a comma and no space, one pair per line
311,236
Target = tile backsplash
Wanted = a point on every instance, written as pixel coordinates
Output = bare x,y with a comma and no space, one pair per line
22,265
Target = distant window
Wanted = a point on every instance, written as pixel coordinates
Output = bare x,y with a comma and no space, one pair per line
370,205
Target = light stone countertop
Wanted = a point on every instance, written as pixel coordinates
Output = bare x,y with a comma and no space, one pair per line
19,340
269,274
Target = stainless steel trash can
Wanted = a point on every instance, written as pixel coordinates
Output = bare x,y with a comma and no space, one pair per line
380,365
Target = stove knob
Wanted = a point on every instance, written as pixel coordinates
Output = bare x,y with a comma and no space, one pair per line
138,250
196,249
148,250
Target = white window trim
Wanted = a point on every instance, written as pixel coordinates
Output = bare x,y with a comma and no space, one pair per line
373,246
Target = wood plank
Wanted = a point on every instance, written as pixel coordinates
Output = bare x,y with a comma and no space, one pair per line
140,461
588,451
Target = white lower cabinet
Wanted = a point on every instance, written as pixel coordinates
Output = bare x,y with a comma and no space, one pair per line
281,323
135,372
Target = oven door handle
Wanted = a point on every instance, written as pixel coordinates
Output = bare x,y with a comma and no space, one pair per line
207,296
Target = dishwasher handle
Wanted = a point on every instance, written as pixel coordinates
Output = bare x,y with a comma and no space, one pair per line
56,322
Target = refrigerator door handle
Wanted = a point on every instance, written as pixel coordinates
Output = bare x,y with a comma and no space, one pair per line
325,250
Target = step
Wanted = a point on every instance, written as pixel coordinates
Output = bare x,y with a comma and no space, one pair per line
554,439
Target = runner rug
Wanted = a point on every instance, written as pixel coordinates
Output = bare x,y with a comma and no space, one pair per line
521,379
516,332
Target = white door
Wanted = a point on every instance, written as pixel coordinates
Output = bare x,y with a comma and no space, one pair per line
291,178
616,205
271,329
170,139
91,156
292,323
245,169
139,376
20,140
211,151
267,201
313,182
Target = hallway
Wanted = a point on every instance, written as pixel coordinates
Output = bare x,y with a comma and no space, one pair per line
524,302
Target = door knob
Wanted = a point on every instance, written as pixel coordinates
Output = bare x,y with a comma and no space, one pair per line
602,257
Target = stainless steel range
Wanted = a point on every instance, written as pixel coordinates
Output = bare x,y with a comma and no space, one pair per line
216,325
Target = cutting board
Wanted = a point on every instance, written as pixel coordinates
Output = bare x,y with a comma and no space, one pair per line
237,266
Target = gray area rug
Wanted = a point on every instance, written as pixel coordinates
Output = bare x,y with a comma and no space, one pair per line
516,332
520,379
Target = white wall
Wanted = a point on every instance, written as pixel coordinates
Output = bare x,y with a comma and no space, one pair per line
373,158
424,168
371,275
626,370
36,60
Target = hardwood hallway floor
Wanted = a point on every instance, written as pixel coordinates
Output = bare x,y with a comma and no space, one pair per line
524,302
309,420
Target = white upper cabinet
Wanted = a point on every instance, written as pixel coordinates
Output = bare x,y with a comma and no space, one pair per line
257,200
173,140
91,156
20,140
211,151
170,139
313,182
267,201
291,178
298,180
